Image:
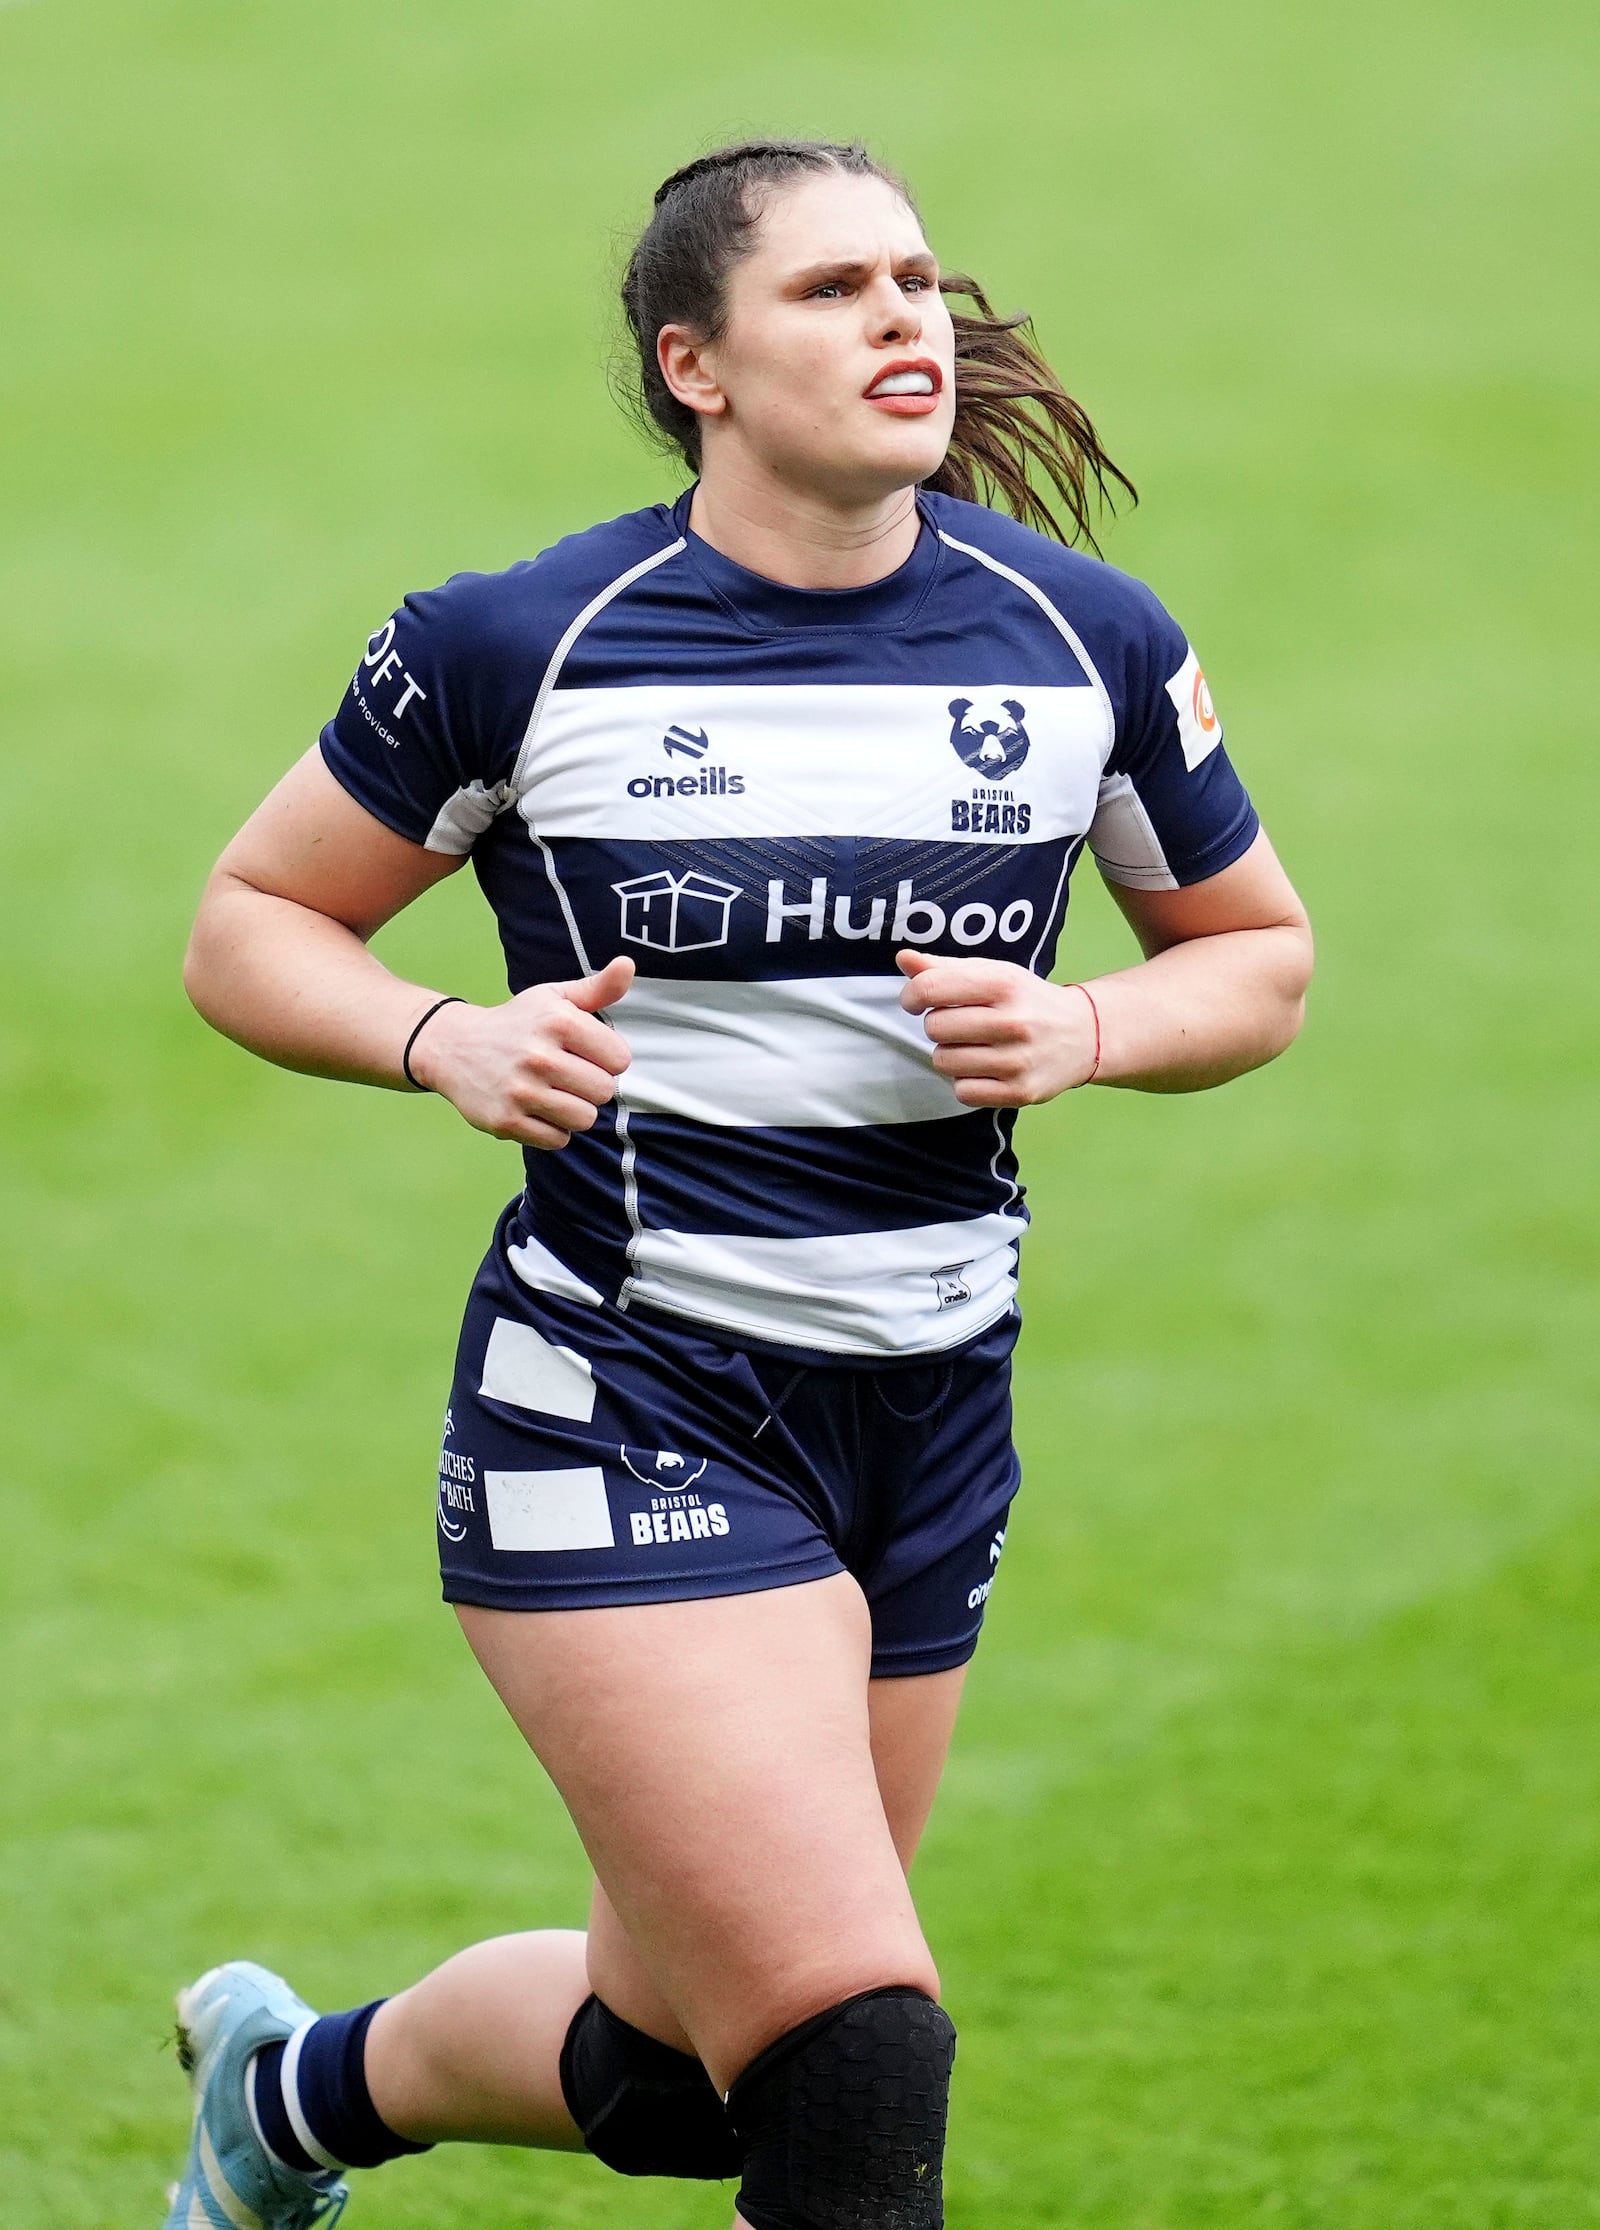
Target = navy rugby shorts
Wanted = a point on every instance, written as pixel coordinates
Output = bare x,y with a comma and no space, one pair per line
593,1457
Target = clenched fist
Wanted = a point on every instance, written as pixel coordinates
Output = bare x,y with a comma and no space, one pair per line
1004,1036
534,1069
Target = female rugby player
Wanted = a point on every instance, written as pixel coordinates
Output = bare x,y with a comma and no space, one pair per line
775,792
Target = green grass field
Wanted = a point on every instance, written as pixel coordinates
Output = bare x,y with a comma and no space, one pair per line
1266,1884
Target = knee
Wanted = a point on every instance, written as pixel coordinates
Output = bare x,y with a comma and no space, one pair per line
842,2120
641,2107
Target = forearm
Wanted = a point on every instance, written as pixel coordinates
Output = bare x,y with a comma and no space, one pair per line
298,988
1202,1011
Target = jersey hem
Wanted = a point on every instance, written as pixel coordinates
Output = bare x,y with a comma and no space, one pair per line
828,1358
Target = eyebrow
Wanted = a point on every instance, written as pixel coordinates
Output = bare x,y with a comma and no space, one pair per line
857,267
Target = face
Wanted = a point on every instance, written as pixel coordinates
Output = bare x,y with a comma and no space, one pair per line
835,370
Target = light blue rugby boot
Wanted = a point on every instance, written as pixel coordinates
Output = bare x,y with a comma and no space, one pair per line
230,2181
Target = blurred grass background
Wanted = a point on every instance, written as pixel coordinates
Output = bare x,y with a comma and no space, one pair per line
1266,1882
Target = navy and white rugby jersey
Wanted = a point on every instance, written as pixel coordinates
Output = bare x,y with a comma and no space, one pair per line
761,793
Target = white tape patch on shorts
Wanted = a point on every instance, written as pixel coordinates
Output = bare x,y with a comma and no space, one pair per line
531,1372
548,1510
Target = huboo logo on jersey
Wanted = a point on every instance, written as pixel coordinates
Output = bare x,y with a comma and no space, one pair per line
691,912
683,742
675,913
676,1512
1199,729
914,920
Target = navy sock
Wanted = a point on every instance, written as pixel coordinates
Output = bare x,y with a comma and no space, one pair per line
324,2099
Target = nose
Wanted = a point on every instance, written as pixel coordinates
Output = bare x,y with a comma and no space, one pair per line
894,316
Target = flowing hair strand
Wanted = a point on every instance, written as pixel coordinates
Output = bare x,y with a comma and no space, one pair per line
1016,424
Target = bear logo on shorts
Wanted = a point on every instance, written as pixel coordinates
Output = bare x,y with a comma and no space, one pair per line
663,1468
993,743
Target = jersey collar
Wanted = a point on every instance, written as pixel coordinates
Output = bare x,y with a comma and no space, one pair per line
769,607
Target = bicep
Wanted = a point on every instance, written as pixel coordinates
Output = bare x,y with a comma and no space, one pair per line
311,843
1254,893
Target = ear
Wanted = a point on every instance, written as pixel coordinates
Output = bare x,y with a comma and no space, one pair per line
687,366
1009,704
957,706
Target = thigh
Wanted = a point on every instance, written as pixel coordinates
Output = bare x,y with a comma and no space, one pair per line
910,1723
716,1757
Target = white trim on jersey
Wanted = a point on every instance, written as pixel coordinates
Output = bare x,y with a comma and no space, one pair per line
909,1292
1124,841
573,931
1063,627
831,1052
464,816
591,610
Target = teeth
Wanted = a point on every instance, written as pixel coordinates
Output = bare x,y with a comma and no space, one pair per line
904,383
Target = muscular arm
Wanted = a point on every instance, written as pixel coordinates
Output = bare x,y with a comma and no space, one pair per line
278,958
1221,990
1222,986
278,961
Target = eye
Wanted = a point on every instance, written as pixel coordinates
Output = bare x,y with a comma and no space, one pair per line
831,290
915,283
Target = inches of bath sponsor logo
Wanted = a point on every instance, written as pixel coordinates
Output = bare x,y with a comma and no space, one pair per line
458,1475
676,1512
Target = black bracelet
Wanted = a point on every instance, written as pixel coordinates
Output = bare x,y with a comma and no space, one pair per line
405,1059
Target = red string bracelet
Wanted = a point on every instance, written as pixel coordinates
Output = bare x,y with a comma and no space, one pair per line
1095,1011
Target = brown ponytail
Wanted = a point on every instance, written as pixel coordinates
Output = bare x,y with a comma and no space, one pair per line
1015,420
1015,424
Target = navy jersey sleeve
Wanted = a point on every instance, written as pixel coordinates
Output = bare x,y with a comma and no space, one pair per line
428,731
1171,809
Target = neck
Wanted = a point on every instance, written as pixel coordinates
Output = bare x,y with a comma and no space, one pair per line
798,538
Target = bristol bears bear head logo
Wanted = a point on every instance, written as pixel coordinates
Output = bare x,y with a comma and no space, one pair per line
992,741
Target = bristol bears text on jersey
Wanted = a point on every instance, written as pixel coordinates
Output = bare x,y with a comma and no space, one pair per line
760,793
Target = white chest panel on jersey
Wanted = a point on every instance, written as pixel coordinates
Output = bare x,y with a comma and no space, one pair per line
809,760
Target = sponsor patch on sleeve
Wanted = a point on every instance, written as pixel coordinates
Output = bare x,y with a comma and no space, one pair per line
1199,729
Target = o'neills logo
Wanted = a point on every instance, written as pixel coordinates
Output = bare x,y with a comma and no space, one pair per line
710,782
913,920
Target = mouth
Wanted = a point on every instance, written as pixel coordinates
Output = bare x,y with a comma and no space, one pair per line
910,388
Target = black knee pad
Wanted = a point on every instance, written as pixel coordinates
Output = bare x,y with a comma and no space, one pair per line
643,2108
842,2121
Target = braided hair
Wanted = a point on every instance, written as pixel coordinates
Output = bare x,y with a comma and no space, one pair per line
1015,424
